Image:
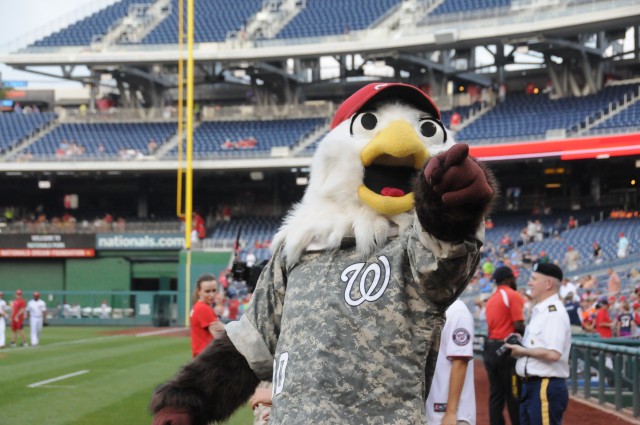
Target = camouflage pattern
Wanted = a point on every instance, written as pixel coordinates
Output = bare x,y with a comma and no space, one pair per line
355,340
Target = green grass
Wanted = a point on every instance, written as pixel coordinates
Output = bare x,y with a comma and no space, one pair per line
122,372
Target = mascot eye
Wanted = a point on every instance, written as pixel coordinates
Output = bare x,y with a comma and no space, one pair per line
369,121
433,131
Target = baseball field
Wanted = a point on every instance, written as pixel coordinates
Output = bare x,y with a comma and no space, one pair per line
90,376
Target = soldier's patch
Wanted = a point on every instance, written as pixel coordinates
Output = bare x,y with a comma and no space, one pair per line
552,308
440,407
461,336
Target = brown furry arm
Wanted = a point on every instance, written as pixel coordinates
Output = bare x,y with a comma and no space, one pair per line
453,194
209,389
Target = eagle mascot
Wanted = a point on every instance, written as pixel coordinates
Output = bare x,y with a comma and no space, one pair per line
346,317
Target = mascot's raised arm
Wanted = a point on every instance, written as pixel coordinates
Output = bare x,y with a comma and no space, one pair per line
346,316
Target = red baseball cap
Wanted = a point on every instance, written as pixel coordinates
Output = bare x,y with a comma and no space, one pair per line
18,291
636,305
381,91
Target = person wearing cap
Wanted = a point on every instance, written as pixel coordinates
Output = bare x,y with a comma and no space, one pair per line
505,315
543,357
380,257
3,325
36,311
17,318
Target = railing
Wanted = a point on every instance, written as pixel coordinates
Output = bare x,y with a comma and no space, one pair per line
617,368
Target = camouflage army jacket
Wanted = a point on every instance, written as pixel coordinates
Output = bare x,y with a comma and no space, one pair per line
349,340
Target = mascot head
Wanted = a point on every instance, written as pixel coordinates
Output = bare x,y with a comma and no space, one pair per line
362,172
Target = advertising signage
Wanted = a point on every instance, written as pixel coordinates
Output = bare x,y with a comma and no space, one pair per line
128,241
47,245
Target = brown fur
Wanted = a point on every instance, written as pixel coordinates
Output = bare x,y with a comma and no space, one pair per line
446,223
211,387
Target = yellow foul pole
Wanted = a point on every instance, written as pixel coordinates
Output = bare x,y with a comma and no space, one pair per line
179,194
189,168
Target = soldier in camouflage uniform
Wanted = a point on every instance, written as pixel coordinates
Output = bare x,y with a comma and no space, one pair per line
346,318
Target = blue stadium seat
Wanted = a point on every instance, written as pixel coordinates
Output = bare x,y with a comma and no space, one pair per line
81,33
213,20
17,126
329,17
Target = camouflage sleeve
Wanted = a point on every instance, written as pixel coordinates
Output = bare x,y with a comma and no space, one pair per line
256,334
444,268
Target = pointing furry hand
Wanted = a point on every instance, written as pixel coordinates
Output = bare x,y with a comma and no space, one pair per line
458,179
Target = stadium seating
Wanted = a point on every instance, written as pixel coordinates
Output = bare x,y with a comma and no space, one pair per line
629,118
254,231
328,17
529,117
210,137
213,20
114,137
16,126
82,32
463,6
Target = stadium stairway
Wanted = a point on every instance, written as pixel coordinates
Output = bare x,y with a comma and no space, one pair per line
612,111
274,15
172,143
140,20
310,139
22,146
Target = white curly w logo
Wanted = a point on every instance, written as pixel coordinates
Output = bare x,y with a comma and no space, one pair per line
368,291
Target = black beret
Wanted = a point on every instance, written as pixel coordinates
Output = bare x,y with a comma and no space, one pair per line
548,269
502,273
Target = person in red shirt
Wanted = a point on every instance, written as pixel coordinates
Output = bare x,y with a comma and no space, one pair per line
603,322
18,307
204,322
505,315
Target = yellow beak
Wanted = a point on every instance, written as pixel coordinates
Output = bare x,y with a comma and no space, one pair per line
399,145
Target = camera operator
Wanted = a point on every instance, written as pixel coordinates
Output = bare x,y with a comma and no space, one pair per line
543,359
504,314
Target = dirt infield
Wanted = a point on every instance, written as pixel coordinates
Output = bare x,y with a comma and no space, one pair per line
578,413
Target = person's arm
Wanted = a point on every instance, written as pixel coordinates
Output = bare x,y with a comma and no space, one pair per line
216,327
536,353
519,326
456,383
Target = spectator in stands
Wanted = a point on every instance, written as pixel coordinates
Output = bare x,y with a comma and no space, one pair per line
105,310
456,118
589,282
597,253
622,245
100,150
488,224
543,258
636,317
538,234
566,288
574,310
572,223
251,259
488,267
588,315
625,323
603,324
613,284
152,147
571,259
531,230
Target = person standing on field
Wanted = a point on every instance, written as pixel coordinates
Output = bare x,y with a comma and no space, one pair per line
203,320
452,397
17,318
3,325
36,311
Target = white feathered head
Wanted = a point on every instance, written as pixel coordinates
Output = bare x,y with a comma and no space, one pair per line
362,172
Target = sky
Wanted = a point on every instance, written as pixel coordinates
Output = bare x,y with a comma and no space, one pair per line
22,17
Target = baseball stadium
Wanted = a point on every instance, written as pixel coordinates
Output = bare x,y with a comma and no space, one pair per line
145,144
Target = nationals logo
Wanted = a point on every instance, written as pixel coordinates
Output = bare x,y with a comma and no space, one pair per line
370,290
461,336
